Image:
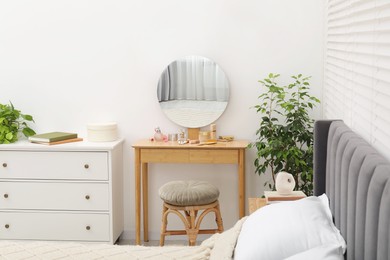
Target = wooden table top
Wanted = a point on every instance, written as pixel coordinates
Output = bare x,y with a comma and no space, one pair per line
238,144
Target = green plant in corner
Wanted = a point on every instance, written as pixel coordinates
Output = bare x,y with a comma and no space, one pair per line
285,136
12,121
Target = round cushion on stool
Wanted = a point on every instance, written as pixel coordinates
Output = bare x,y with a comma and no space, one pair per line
188,193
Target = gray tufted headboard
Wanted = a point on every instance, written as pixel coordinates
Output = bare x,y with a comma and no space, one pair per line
356,179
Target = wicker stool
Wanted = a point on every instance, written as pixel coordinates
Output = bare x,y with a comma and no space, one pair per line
189,197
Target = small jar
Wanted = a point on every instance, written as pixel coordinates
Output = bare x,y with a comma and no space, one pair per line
204,136
172,137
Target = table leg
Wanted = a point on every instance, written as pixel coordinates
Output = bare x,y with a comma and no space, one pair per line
145,204
241,183
137,196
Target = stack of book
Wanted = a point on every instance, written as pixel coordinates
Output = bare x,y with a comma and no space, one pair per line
54,138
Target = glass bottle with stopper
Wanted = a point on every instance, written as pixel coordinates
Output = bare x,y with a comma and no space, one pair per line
182,137
158,136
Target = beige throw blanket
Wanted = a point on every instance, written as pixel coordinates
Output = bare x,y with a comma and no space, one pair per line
219,246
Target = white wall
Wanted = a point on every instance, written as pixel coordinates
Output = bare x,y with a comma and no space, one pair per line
71,62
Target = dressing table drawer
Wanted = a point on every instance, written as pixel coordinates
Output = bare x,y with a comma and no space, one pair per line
54,226
54,196
213,156
53,165
189,155
165,155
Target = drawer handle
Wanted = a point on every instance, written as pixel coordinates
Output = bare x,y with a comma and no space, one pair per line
87,197
6,195
88,228
5,165
86,166
6,226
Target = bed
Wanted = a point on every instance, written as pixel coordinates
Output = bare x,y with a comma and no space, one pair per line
348,218
356,179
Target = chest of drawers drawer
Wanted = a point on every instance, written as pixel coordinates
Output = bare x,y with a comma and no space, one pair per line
54,196
53,165
54,226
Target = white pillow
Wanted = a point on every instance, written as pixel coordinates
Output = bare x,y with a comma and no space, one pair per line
328,252
285,229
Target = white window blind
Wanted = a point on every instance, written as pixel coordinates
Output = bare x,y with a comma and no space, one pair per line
357,68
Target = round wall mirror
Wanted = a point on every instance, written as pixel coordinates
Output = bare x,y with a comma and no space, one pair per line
193,91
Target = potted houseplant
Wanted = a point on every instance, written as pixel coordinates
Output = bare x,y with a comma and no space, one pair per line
285,136
13,122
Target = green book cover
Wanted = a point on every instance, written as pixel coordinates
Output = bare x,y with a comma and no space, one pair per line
52,137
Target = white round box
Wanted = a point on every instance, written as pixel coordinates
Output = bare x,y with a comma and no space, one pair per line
105,132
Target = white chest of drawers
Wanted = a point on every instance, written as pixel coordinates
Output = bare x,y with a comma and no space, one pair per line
67,192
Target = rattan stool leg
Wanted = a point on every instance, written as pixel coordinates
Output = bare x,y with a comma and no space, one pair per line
218,218
164,223
192,231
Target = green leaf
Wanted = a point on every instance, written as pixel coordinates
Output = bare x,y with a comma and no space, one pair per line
27,117
9,136
27,131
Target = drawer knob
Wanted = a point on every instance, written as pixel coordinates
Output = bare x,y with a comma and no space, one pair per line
5,195
86,166
88,228
87,197
6,226
4,165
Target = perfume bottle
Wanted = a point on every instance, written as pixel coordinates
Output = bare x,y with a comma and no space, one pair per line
158,136
182,137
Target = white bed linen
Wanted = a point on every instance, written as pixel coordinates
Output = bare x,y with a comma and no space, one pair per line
218,246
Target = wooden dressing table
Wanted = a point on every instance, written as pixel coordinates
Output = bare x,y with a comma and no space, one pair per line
171,152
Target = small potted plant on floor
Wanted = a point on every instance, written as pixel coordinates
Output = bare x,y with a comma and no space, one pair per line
13,122
285,136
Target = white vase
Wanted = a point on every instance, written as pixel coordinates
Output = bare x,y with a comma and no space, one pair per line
284,183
